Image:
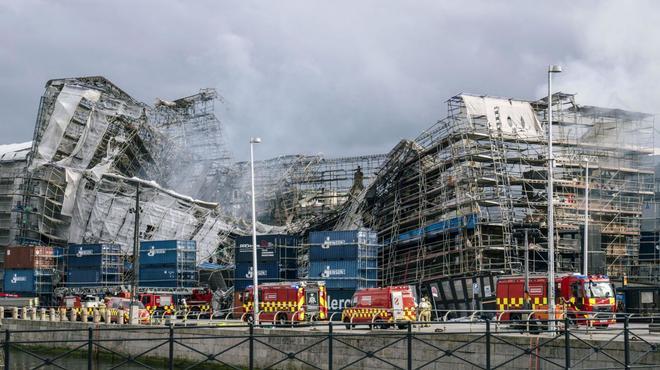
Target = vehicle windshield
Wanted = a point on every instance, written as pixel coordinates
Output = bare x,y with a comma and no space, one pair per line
598,290
123,304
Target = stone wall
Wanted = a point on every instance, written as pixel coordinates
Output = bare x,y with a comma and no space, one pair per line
271,345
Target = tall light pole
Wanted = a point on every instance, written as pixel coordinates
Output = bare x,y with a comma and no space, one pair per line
585,258
551,222
255,271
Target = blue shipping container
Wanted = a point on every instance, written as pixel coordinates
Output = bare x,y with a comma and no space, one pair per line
166,277
352,283
28,281
342,268
270,248
361,236
268,272
93,254
92,277
345,274
340,251
167,257
168,244
168,252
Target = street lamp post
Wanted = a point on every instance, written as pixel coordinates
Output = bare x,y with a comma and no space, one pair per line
255,271
585,258
134,309
551,224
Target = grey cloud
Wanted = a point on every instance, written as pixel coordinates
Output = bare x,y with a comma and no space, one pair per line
338,78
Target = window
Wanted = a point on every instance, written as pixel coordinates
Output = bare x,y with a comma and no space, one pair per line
598,290
509,121
522,122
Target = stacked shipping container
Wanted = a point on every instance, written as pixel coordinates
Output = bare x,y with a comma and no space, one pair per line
168,263
277,259
31,270
93,265
346,260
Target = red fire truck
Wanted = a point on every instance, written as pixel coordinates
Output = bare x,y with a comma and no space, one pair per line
287,302
157,302
200,300
587,300
382,306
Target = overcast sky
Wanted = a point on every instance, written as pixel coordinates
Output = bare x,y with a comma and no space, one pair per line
333,77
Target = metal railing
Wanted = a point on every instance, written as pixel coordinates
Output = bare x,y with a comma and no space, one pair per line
328,345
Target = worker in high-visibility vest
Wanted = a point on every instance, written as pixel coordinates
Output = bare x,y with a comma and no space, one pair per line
425,311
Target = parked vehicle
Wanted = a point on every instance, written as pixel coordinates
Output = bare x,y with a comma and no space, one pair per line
384,307
157,302
114,304
13,300
288,302
201,300
587,300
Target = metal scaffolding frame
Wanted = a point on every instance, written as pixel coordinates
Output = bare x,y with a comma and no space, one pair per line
450,202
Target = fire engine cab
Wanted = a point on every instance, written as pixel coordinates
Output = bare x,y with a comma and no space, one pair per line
287,302
383,307
157,302
587,300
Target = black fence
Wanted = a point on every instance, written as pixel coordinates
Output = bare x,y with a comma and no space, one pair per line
483,344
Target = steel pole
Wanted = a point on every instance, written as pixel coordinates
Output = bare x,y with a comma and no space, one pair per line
585,259
255,271
136,243
526,261
551,223
134,309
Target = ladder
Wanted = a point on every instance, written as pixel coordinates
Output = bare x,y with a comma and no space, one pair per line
502,185
421,246
388,272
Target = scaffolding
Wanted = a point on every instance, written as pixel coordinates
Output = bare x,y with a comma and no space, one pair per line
450,202
13,161
93,144
296,190
195,143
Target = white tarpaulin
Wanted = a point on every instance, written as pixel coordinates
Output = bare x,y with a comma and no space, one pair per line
65,106
513,117
103,213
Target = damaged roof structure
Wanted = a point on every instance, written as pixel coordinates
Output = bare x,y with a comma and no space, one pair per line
454,201
451,202
93,144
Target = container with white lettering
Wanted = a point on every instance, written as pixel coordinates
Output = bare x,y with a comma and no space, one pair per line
168,252
38,282
346,273
359,236
268,272
93,255
270,248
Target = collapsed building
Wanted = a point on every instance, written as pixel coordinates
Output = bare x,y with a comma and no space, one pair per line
453,202
93,146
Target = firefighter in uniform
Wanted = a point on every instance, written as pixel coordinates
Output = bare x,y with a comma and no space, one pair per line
527,302
527,306
425,311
